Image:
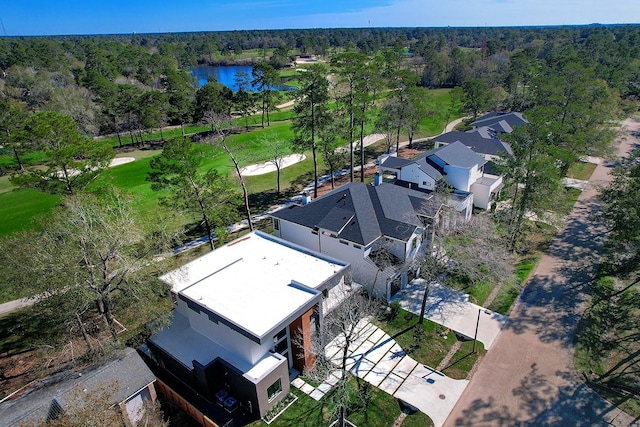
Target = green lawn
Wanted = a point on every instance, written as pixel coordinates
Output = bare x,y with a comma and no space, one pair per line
437,340
380,412
19,207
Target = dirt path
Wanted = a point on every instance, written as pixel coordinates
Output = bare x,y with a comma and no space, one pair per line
528,377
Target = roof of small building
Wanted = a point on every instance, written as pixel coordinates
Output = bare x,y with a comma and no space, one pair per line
363,213
512,118
128,370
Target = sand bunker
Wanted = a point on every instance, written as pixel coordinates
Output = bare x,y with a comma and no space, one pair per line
266,167
121,161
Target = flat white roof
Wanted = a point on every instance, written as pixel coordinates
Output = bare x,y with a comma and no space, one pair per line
250,281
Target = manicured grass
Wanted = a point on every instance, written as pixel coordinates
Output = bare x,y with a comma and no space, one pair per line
18,208
5,185
506,296
581,170
462,362
381,411
434,348
417,419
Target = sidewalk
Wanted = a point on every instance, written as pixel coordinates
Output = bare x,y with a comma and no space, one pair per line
453,310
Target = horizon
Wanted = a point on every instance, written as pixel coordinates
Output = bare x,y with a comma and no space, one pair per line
121,17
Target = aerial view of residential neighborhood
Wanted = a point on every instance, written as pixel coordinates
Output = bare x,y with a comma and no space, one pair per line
380,213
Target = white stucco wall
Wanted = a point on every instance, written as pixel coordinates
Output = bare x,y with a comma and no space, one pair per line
412,173
224,336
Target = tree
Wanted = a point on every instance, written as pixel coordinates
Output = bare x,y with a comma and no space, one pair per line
243,98
619,211
72,160
311,113
477,96
416,109
339,330
531,172
222,128
577,109
278,149
203,193
91,254
349,67
265,78
331,150
402,81
214,98
12,137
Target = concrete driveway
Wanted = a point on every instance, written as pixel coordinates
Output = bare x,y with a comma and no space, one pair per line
379,360
453,310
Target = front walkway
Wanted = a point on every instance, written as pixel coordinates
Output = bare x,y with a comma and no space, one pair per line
453,310
379,360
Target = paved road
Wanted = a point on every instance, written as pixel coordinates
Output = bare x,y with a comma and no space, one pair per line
528,377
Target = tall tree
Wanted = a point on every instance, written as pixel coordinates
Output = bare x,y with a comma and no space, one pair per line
477,96
349,67
12,120
401,82
72,160
531,172
265,79
204,193
243,98
577,108
311,113
222,126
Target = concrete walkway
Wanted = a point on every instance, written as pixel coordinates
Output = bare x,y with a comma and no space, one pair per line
379,360
453,310
529,378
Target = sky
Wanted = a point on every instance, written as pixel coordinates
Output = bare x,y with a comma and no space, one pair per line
57,17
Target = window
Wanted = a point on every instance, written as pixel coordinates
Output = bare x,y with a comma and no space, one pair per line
274,390
276,224
344,242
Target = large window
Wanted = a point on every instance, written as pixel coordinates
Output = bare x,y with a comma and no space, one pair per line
274,389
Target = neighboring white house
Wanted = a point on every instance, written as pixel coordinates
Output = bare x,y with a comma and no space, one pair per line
382,230
126,380
458,165
242,313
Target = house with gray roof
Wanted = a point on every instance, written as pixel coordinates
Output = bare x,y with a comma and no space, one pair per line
499,119
382,231
483,141
454,162
126,379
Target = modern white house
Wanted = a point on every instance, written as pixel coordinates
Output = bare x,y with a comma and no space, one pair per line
455,163
382,231
244,317
126,380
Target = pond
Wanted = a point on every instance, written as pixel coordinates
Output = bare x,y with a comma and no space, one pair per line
226,75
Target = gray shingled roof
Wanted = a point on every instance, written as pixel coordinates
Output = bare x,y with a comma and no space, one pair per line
129,370
395,162
512,118
362,213
482,140
458,154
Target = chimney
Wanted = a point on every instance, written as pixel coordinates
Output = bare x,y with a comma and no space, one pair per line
377,180
306,198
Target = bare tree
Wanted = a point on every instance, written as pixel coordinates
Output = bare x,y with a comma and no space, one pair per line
278,150
339,329
221,125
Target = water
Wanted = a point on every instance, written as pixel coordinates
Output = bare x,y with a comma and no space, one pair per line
226,75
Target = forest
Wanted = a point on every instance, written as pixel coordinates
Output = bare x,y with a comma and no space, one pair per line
88,237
